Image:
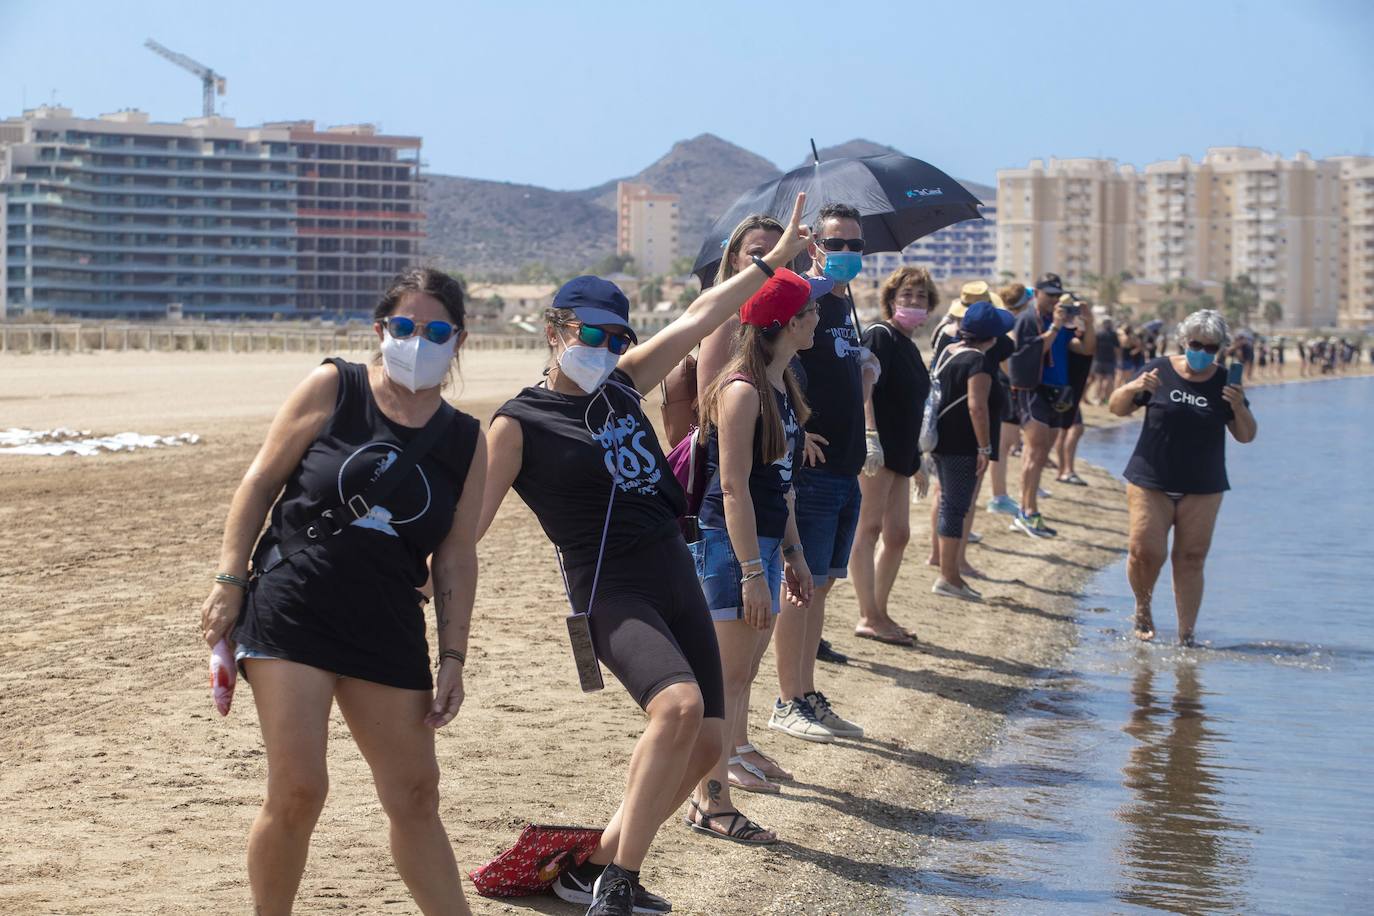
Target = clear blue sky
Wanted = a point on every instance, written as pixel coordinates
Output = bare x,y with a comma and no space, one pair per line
570,94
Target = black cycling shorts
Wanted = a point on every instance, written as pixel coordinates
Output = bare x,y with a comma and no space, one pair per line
1036,405
650,624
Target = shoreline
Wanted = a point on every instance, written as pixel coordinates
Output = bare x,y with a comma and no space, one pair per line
135,797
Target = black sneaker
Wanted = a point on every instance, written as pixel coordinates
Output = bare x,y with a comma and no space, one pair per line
613,894
826,653
574,884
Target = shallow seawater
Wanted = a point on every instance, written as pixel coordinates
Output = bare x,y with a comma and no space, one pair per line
1237,777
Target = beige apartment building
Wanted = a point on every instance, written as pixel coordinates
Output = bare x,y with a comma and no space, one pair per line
1301,228
647,227
1073,216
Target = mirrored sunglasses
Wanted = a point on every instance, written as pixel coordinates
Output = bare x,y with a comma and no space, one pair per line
439,332
593,336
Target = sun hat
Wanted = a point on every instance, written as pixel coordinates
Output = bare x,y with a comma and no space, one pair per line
983,320
971,292
782,297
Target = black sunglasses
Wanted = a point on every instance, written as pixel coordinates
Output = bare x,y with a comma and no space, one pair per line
439,332
1214,349
835,244
593,336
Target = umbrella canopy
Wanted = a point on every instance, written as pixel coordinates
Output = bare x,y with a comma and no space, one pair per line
900,200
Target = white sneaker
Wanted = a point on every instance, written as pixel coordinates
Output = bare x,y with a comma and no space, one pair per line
964,593
796,718
840,727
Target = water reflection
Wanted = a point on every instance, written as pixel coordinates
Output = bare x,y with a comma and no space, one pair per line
1181,850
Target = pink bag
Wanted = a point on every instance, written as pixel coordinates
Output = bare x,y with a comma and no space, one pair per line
687,461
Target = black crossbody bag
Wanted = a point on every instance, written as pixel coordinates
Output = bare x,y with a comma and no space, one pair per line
333,521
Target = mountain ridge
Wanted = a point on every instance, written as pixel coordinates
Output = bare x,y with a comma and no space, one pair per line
504,230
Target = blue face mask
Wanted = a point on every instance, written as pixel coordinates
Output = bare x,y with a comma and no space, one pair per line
843,266
1199,359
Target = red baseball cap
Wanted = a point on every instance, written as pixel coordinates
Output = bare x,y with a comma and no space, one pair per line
782,297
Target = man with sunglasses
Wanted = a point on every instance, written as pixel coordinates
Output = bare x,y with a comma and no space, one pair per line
827,485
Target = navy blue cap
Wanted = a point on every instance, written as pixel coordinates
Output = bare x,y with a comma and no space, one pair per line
595,301
983,320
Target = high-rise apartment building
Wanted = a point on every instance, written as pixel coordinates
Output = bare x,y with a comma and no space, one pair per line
1357,283
647,227
1301,229
117,215
1075,217
964,251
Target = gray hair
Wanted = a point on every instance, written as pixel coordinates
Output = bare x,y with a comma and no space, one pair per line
1207,325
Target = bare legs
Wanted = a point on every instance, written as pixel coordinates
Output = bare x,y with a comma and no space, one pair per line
1039,438
293,703
1151,516
884,512
1011,434
738,646
1195,519
1067,445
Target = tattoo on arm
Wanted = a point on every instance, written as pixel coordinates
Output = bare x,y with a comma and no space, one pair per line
440,607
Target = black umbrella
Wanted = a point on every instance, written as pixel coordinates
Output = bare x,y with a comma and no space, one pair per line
900,200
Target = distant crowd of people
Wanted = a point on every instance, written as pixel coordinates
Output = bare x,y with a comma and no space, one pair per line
796,441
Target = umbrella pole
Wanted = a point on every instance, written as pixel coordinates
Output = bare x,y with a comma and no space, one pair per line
848,297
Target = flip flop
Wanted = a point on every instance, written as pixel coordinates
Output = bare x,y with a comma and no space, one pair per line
767,788
907,641
746,834
778,774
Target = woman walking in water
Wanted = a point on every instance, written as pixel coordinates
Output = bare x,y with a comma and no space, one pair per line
332,614
581,454
1177,474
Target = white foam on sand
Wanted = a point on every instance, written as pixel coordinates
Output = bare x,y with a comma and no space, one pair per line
62,441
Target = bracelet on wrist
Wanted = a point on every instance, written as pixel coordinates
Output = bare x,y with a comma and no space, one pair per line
791,549
763,266
985,450
756,562
749,577
230,579
455,654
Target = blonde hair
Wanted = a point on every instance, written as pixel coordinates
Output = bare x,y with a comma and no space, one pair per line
901,277
753,221
753,351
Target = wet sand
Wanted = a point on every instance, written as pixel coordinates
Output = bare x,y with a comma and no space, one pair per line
123,792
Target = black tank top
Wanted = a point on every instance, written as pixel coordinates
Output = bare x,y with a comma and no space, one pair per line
572,445
349,604
769,482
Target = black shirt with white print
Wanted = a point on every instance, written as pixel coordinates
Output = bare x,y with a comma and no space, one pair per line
573,443
1182,444
769,482
349,604
834,387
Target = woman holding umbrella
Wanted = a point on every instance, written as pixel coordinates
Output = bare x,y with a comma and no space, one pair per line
581,454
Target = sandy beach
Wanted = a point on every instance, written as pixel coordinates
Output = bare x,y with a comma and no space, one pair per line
123,792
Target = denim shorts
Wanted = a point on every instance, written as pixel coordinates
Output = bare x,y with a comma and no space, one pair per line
827,516
719,572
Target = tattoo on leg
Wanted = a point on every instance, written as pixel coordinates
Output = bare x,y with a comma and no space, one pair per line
713,791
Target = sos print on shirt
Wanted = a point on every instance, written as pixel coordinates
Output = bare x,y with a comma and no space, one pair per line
627,458
408,501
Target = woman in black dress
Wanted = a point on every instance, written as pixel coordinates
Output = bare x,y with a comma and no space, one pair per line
894,418
342,620
580,453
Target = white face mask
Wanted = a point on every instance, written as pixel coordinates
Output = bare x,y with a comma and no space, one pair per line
416,363
587,367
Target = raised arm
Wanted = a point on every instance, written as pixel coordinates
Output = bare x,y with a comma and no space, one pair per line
1122,402
649,362
455,587
296,425
505,454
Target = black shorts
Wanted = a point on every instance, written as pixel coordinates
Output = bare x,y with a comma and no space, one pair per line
1036,405
650,624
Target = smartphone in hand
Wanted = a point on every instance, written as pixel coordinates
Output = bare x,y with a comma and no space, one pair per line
1235,373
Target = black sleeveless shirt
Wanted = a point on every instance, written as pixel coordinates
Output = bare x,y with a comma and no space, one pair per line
349,604
769,482
572,445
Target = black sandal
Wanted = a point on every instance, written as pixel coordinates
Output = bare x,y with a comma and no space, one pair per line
747,834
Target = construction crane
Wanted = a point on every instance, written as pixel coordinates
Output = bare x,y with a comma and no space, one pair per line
212,83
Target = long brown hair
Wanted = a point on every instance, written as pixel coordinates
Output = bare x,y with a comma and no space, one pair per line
726,270
753,351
